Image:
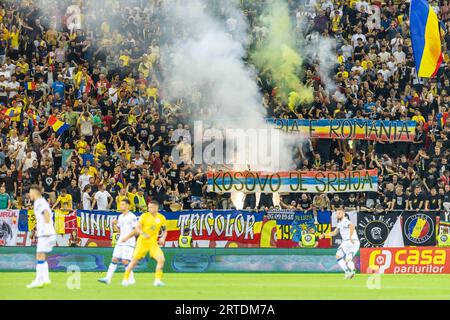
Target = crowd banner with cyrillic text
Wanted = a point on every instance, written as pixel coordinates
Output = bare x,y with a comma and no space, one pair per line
360,129
294,181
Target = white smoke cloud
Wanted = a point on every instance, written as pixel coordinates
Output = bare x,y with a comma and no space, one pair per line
203,64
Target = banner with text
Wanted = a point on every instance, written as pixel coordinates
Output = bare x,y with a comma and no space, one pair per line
373,229
292,225
8,227
294,181
361,129
408,260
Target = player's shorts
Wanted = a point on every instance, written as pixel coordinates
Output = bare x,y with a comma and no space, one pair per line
347,248
123,252
45,244
142,249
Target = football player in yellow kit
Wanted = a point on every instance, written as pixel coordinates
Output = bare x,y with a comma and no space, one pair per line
149,226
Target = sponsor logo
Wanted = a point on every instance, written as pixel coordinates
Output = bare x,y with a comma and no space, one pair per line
418,228
373,230
405,260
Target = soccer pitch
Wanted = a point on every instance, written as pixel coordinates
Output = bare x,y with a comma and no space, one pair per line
228,286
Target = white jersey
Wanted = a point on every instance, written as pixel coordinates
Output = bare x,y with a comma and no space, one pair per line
344,230
126,224
40,206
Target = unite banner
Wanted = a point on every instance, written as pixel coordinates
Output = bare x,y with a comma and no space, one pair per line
294,181
407,260
360,129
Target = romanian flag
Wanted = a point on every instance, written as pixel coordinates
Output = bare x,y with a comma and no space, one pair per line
426,38
419,229
58,126
31,85
10,112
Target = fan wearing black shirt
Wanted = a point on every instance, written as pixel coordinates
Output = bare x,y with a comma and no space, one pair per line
305,203
434,201
351,204
399,200
10,182
133,174
446,197
48,183
416,199
35,173
336,202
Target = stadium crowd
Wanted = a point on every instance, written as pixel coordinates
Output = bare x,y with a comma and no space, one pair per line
103,81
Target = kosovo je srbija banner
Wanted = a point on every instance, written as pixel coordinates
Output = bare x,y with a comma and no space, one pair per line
361,129
294,181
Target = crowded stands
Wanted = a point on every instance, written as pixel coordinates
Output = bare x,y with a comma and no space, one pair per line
84,115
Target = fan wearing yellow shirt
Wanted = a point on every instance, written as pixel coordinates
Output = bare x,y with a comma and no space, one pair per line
81,145
64,200
148,228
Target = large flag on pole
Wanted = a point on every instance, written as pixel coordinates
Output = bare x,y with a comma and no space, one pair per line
426,38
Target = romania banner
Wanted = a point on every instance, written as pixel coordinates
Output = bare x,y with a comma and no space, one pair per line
360,129
294,181
425,38
58,126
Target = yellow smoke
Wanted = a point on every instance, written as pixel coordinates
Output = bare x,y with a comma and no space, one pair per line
276,56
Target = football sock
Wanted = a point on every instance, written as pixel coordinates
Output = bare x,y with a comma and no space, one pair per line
40,270
111,269
131,277
46,275
351,265
158,274
342,264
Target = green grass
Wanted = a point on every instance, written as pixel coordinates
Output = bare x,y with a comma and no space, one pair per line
231,286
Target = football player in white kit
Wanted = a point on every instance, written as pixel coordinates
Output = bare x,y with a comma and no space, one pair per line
123,251
46,236
349,246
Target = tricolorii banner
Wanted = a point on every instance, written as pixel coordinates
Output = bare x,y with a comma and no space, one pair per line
231,228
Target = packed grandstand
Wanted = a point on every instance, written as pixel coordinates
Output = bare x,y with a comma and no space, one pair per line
84,114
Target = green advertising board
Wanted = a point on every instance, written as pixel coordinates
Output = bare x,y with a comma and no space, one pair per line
180,260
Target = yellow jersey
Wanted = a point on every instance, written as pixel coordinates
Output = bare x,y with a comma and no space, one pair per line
65,201
151,226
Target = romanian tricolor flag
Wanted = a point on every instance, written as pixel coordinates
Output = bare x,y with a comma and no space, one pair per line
58,126
9,112
426,38
31,85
